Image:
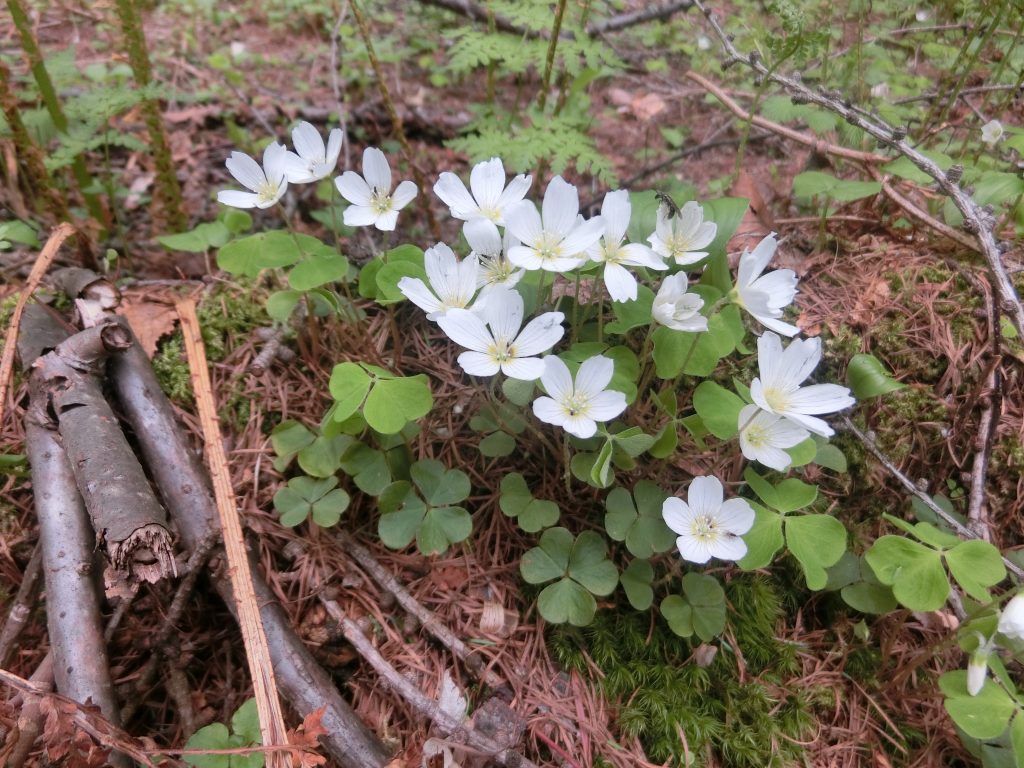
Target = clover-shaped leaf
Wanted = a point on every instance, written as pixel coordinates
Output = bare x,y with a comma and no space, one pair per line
817,542
983,716
718,408
636,519
388,402
434,523
367,467
913,570
582,568
497,444
288,438
245,732
517,501
636,582
305,496
699,610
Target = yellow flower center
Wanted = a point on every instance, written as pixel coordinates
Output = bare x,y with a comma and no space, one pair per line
704,528
380,201
549,247
776,398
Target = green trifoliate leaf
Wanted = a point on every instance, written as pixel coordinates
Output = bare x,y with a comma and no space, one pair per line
388,277
367,467
281,304
497,444
550,559
984,716
913,570
213,736
828,456
518,392
763,540
636,582
322,457
679,615
440,486
707,599
517,501
392,403
589,564
788,496
250,255
442,527
718,408
632,314
349,385
817,542
398,529
638,522
976,566
318,269
288,438
566,601
212,234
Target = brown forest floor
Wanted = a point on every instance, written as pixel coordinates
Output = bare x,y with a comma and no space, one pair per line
898,293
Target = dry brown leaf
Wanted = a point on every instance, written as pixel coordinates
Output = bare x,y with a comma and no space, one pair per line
757,221
873,298
150,321
647,107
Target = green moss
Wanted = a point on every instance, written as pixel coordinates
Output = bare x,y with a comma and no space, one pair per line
225,316
649,673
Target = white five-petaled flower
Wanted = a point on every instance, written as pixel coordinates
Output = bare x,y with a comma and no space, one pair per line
495,268
372,200
495,341
490,198
268,184
977,666
992,132
452,283
765,296
616,256
555,240
764,437
682,237
577,406
312,159
1011,620
777,390
677,309
708,527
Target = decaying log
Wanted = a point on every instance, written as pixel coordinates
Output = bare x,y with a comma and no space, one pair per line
185,489
75,626
67,394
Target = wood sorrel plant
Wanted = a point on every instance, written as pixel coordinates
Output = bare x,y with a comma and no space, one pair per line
606,339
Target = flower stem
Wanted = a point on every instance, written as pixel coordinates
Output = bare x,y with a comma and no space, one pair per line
566,461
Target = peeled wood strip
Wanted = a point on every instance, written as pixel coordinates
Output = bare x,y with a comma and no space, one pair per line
261,669
182,482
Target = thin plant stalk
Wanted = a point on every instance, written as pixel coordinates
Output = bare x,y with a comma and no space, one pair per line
396,122
138,57
54,107
549,63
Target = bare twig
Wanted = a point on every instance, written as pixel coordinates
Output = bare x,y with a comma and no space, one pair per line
925,499
424,705
21,606
46,256
272,727
426,618
624,20
977,509
923,216
978,221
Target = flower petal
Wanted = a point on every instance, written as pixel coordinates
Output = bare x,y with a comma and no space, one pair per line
615,212
466,329
606,405
376,169
402,196
556,378
728,547
478,363
246,171
308,142
334,142
693,549
540,334
594,375
677,514
387,221
821,398
581,426
483,236
523,221
487,180
560,208
753,263
359,216
736,516
237,199
417,292
523,368
705,495
354,188
548,411
620,283
514,192
582,237
453,192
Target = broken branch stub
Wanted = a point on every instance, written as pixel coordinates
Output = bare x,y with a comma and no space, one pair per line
127,518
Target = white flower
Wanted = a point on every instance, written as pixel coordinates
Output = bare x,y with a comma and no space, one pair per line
268,184
1011,622
681,238
495,268
764,437
577,407
992,132
490,199
707,526
557,241
703,43
495,341
765,296
452,284
777,390
371,198
615,212
923,15
977,666
312,160
677,309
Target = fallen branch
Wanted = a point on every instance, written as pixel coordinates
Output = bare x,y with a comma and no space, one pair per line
185,489
261,669
128,520
978,221
46,256
429,622
625,20
75,626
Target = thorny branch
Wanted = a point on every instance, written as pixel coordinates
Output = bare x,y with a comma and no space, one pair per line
978,221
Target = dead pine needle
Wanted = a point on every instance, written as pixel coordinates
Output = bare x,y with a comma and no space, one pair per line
272,727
